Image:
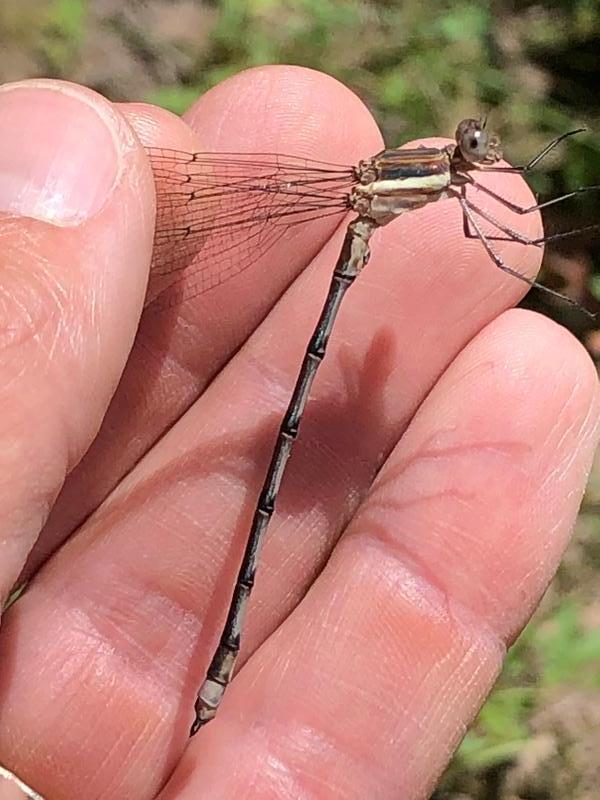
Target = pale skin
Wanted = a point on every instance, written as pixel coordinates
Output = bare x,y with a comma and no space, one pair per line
397,570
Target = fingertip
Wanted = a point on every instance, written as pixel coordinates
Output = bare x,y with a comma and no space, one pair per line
538,353
286,109
158,127
503,445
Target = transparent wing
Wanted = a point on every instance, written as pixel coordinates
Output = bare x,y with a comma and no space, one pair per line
217,214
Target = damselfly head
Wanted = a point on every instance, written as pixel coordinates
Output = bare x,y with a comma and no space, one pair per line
475,144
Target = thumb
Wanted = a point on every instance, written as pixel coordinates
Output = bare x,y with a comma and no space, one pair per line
76,224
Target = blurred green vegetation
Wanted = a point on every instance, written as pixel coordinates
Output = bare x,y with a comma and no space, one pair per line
557,651
53,32
420,65
62,33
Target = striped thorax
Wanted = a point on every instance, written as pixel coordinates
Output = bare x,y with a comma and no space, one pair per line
395,181
399,180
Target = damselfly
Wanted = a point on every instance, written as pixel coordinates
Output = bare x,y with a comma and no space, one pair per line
220,205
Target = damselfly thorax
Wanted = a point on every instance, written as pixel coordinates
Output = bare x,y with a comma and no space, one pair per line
396,181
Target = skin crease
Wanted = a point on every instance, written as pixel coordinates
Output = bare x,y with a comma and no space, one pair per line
396,571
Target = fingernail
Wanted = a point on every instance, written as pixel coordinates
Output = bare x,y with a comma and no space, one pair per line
12,788
59,152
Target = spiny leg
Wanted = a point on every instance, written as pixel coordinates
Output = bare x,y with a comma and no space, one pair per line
528,209
541,155
514,235
553,237
499,262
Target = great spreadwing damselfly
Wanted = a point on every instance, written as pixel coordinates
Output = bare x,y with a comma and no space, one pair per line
214,205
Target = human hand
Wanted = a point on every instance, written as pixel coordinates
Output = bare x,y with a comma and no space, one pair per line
424,554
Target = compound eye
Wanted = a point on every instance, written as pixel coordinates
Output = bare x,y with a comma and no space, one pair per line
472,140
475,145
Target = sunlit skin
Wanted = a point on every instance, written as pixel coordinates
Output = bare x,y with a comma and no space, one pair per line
396,570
